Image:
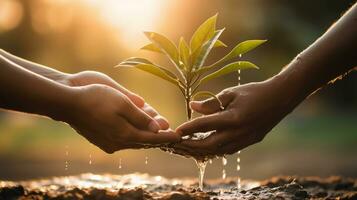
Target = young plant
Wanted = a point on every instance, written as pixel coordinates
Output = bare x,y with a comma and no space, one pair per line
189,60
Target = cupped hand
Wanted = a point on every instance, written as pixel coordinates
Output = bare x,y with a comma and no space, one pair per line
251,111
92,77
111,121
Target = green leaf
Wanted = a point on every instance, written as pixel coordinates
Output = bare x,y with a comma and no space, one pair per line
200,55
203,33
232,67
152,47
184,53
240,49
165,45
219,43
157,71
208,94
134,61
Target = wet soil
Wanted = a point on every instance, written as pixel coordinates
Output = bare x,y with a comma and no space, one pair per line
143,186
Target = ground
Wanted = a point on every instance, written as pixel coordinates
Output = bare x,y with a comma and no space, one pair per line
143,186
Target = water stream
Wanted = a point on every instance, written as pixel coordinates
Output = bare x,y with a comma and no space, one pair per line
66,163
201,164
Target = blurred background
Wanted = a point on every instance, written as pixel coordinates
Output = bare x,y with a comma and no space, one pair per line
318,138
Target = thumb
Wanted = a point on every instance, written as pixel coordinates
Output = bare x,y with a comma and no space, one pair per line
211,105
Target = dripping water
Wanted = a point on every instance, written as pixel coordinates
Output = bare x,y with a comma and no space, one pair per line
238,169
119,163
90,159
146,160
201,164
238,154
66,163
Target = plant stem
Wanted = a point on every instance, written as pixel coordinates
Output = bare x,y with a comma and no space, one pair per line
188,99
188,109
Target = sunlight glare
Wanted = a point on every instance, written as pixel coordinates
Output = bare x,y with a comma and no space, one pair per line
130,18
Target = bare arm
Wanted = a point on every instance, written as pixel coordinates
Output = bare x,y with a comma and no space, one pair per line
25,91
252,110
103,115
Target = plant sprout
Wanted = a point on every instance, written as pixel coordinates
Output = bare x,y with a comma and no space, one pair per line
189,60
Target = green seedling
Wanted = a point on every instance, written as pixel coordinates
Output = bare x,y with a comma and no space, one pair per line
189,60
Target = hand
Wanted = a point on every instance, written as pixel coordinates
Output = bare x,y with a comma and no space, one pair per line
251,111
92,77
111,121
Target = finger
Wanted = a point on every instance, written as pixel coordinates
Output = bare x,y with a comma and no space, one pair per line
138,117
164,124
211,105
136,99
205,123
162,137
162,121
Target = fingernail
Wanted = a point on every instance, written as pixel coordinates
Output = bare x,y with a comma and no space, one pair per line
195,104
154,126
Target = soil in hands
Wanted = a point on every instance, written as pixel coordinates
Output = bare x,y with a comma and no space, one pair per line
143,186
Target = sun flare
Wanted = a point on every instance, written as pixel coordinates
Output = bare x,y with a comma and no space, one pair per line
130,18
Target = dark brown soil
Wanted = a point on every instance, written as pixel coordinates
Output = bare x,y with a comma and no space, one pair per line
143,186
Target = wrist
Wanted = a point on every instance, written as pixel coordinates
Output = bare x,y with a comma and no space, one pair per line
64,106
293,84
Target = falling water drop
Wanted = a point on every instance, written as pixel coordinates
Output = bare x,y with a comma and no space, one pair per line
224,161
210,161
66,164
238,184
239,77
224,174
90,159
146,160
201,164
238,169
119,163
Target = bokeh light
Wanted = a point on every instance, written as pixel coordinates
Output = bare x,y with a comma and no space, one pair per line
11,13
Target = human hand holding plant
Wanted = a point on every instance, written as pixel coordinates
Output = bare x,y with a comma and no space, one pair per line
189,60
251,111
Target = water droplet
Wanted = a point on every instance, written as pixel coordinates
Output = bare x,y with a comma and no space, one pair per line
201,164
238,77
66,165
119,163
239,186
90,159
238,160
210,161
66,155
146,160
224,174
224,161
238,167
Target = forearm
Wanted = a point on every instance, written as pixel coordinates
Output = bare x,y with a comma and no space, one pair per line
333,55
35,67
25,91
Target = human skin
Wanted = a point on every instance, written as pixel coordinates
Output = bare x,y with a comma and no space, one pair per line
252,110
85,78
102,111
